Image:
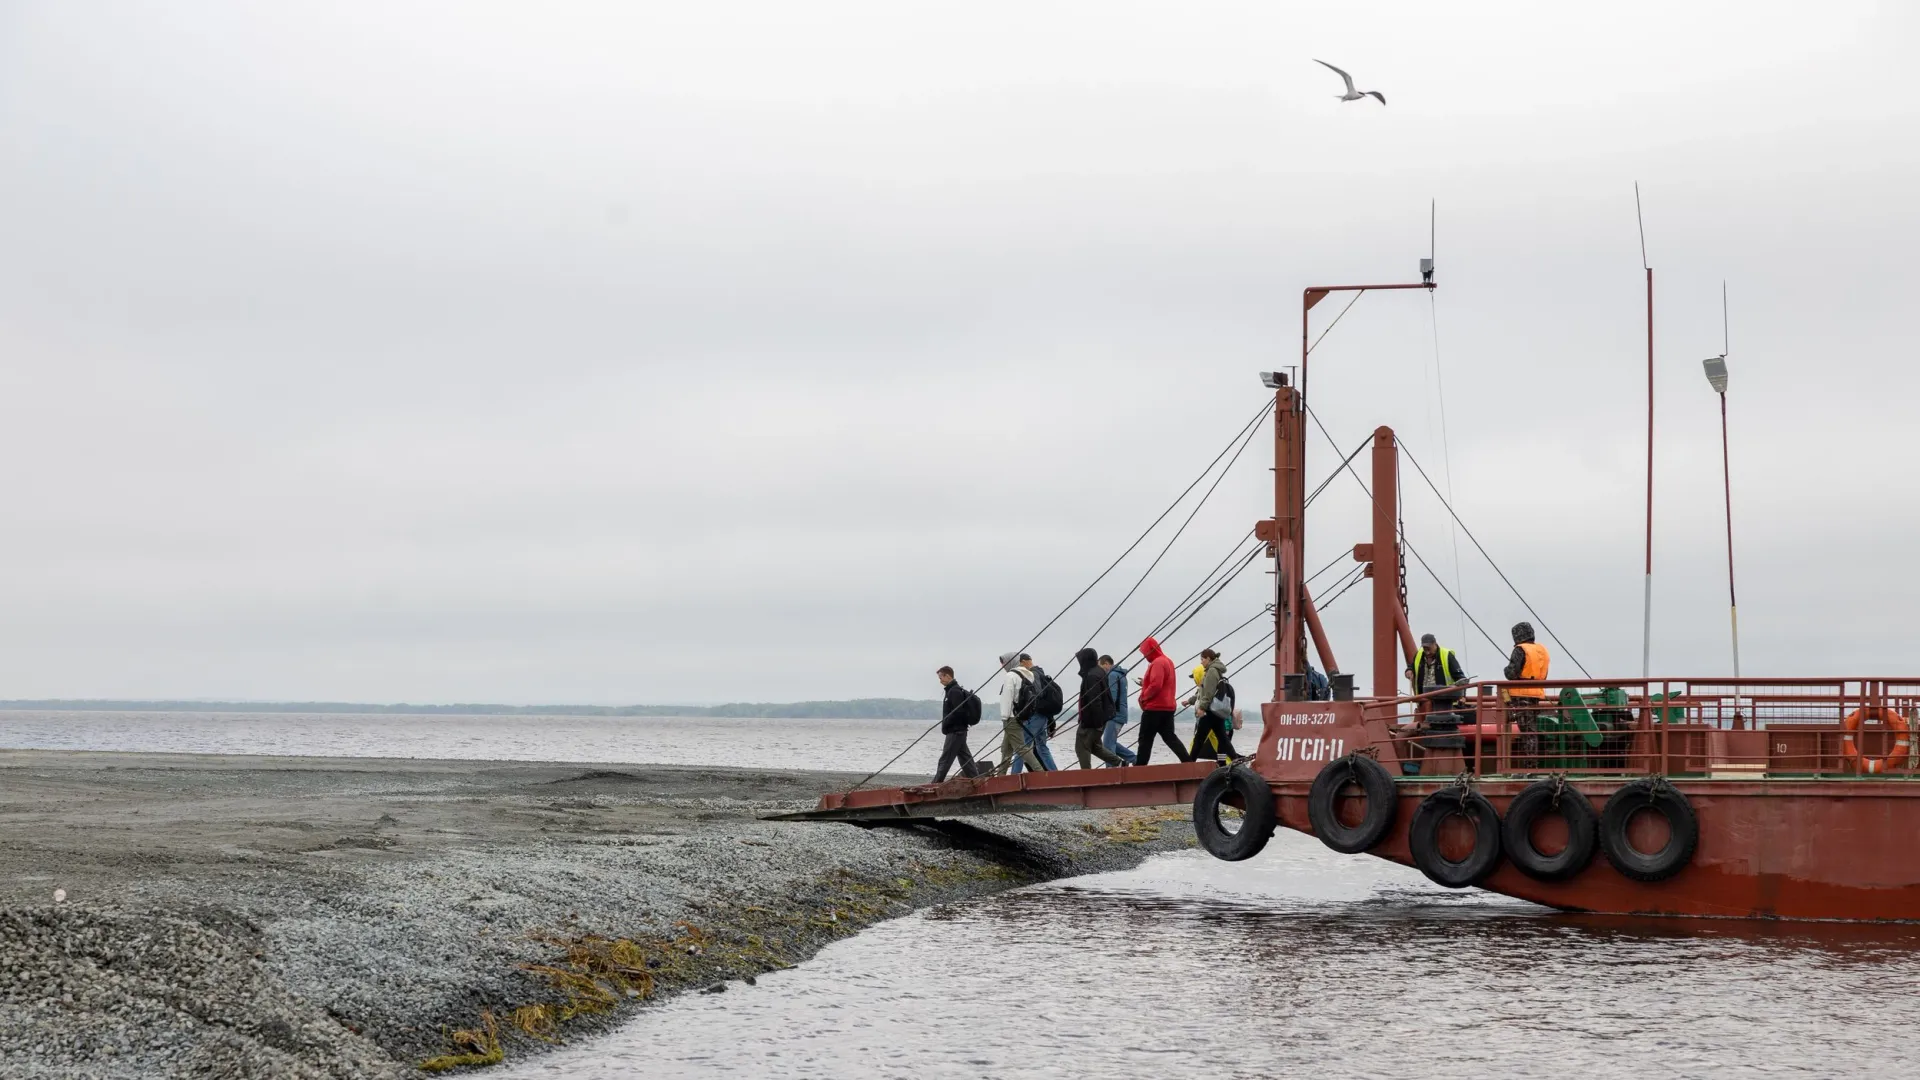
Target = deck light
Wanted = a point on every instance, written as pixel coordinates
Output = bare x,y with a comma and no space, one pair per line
1273,380
1716,373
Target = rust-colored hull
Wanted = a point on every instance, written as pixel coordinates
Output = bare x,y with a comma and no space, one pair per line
1841,850
1844,850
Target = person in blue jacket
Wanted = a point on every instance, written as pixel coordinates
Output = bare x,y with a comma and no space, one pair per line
1117,688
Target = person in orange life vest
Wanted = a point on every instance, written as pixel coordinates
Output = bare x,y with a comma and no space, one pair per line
1529,662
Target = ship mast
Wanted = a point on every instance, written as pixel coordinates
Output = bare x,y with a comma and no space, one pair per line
1294,616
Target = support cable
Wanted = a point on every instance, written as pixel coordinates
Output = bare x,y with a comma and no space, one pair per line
1446,456
1197,507
1404,542
1495,565
1330,565
1204,473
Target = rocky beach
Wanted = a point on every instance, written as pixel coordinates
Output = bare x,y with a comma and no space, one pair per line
240,916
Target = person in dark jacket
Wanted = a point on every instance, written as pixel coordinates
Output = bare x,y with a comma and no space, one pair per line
959,709
1096,708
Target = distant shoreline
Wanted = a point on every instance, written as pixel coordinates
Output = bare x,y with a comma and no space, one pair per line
850,709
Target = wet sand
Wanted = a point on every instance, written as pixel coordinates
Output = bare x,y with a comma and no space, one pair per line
342,917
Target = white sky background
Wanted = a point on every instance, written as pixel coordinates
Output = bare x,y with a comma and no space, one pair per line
734,351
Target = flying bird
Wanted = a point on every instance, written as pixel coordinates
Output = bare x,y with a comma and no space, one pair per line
1352,94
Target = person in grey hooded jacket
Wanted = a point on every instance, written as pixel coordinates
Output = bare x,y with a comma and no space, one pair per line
1213,708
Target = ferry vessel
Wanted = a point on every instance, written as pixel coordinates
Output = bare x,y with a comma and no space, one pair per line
1674,796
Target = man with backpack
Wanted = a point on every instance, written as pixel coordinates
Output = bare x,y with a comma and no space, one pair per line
1016,694
1213,707
959,711
1041,713
1096,708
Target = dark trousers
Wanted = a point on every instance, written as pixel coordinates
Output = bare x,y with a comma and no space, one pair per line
1212,723
1087,743
1158,722
956,747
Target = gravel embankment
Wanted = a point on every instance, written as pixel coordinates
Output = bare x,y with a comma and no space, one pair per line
306,917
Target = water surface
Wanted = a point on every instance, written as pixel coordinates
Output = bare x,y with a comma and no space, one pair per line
1299,963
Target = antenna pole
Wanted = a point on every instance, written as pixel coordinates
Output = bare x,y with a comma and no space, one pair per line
1726,474
1646,607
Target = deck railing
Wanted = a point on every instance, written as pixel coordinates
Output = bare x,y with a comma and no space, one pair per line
1718,727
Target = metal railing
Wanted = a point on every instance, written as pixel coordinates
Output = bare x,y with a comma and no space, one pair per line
1718,728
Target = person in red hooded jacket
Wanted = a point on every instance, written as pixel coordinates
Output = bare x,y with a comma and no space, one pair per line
1157,704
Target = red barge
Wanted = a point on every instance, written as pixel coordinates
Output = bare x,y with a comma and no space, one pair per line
1704,797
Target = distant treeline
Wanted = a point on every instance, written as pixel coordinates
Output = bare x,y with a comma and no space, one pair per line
855,709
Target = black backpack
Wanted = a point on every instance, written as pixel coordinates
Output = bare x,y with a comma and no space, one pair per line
1223,692
971,710
1047,698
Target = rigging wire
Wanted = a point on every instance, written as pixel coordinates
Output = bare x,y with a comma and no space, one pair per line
1336,321
1495,565
1446,452
1197,507
1343,585
1330,565
1209,581
1204,473
1404,542
1072,703
1335,474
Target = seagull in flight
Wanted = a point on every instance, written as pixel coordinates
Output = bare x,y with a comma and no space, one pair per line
1352,94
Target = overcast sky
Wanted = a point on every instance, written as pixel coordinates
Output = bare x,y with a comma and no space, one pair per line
696,352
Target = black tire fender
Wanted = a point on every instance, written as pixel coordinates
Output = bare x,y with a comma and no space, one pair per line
1224,787
1683,828
1533,803
1383,803
1423,837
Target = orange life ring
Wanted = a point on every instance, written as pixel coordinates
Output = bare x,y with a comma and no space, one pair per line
1902,739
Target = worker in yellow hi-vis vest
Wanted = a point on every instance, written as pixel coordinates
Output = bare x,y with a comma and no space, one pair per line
1528,663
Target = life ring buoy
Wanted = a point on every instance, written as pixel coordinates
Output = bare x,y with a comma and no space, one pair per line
1423,837
1234,786
1683,830
1541,799
1383,804
1902,739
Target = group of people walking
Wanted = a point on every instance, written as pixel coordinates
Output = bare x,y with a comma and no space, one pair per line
1031,703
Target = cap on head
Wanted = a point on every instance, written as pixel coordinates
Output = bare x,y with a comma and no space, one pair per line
1428,639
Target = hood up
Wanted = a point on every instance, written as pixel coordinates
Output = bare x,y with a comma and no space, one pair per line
1151,650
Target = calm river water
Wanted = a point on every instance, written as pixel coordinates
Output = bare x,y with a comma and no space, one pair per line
1300,962
663,740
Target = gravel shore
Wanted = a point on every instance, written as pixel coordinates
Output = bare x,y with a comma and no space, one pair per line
354,917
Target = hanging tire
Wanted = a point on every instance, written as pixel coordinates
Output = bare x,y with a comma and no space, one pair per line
1683,830
1548,797
1423,836
1227,837
1383,803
